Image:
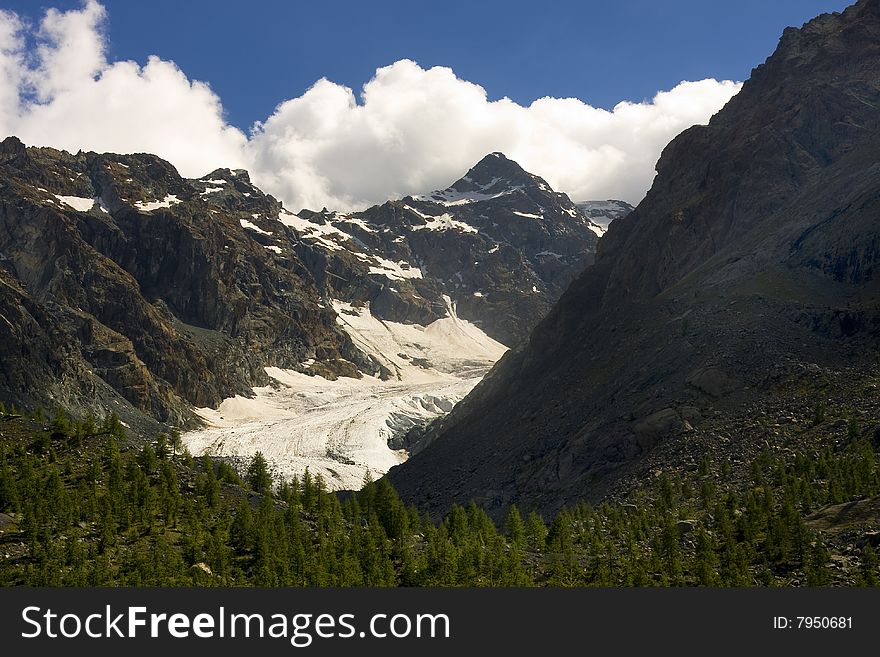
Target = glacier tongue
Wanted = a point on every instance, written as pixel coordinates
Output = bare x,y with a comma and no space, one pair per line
341,429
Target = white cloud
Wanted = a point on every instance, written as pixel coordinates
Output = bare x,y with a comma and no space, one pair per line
71,97
11,64
70,50
411,130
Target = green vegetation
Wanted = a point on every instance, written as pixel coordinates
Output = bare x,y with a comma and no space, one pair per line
86,510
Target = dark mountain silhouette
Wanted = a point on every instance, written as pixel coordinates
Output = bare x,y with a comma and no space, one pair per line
752,257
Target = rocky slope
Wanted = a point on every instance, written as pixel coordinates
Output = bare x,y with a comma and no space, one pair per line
124,286
751,257
128,286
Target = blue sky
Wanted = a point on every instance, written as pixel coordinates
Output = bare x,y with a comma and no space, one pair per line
347,104
259,53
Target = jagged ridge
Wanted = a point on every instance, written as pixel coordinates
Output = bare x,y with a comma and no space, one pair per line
149,293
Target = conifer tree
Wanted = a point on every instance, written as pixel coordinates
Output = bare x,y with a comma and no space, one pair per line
515,528
258,475
61,423
8,488
817,566
536,532
705,560
309,494
147,459
227,473
560,543
211,489
176,441
162,446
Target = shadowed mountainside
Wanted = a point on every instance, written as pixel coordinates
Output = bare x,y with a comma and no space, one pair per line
751,258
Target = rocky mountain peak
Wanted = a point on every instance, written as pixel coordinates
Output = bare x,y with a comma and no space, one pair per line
496,172
232,190
492,177
229,175
10,148
175,292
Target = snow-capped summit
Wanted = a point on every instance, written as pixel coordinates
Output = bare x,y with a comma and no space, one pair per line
602,213
499,242
493,176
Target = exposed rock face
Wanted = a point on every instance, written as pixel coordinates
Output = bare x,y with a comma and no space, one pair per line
125,286
121,276
753,253
34,353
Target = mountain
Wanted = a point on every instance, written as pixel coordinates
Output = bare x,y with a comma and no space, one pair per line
430,289
602,213
124,286
749,267
499,242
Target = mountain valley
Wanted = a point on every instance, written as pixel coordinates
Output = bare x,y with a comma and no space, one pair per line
163,298
488,384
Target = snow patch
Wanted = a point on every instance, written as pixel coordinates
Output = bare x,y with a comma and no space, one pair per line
418,212
251,226
149,206
452,196
445,222
393,270
357,221
602,213
449,344
325,234
78,203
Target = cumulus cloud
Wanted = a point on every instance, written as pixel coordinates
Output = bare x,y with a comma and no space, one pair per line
66,94
11,64
411,130
415,130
